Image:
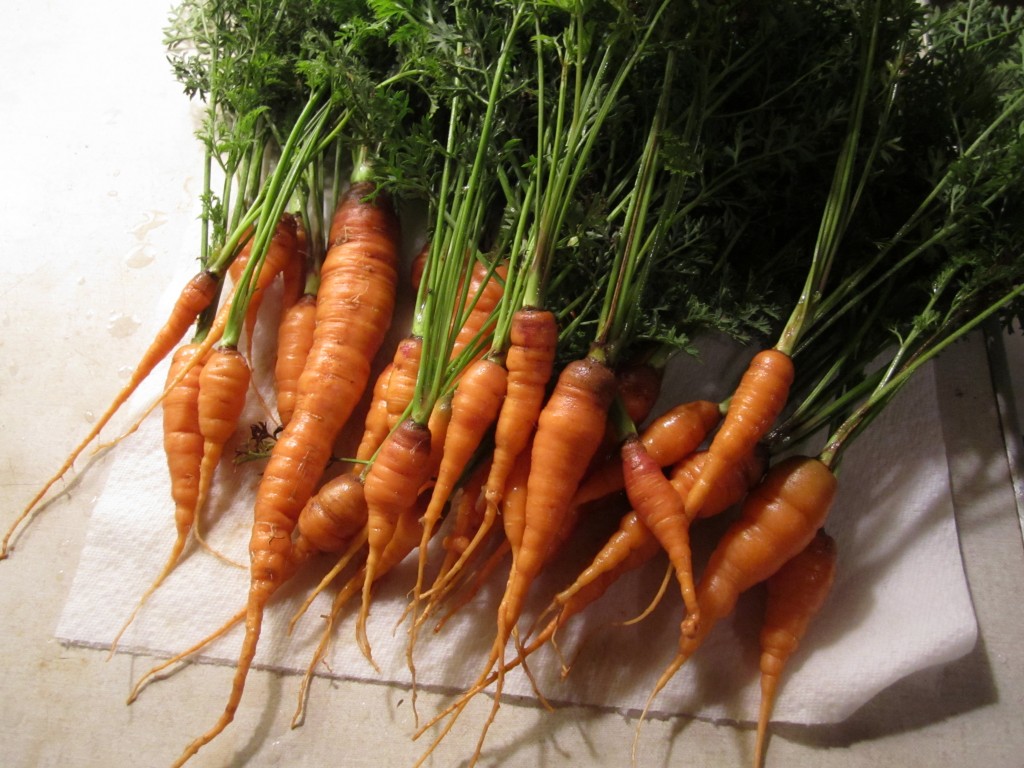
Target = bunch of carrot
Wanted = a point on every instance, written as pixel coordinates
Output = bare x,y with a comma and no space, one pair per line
601,183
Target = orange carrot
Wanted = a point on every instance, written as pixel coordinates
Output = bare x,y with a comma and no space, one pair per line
655,499
183,446
332,516
354,309
418,266
294,340
486,288
402,381
196,296
796,592
474,408
779,518
639,385
391,486
529,361
668,439
376,425
753,408
223,383
568,431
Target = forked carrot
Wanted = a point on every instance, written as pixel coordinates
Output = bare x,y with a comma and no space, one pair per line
654,499
753,408
354,309
796,593
195,297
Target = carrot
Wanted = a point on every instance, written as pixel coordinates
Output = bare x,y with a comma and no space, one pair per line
639,385
533,335
796,592
391,486
778,519
655,499
354,309
568,432
332,516
753,408
223,383
183,446
282,256
402,381
404,539
486,287
671,437
196,296
294,340
474,408
634,543
376,425
418,265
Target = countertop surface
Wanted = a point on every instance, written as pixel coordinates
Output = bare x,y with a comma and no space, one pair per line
101,179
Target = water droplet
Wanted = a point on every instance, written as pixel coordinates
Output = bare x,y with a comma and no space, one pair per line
141,257
122,326
90,417
150,221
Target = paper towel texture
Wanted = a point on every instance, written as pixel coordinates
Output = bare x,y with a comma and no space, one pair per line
900,601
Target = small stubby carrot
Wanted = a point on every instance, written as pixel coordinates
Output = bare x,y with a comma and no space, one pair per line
294,340
655,499
756,403
639,386
356,300
533,336
391,486
183,447
198,293
332,516
668,439
779,517
795,595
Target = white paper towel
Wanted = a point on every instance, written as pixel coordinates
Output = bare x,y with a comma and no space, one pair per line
900,601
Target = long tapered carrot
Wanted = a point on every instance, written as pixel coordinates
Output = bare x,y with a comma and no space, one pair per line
183,447
778,519
354,309
753,408
196,296
796,593
391,487
474,409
